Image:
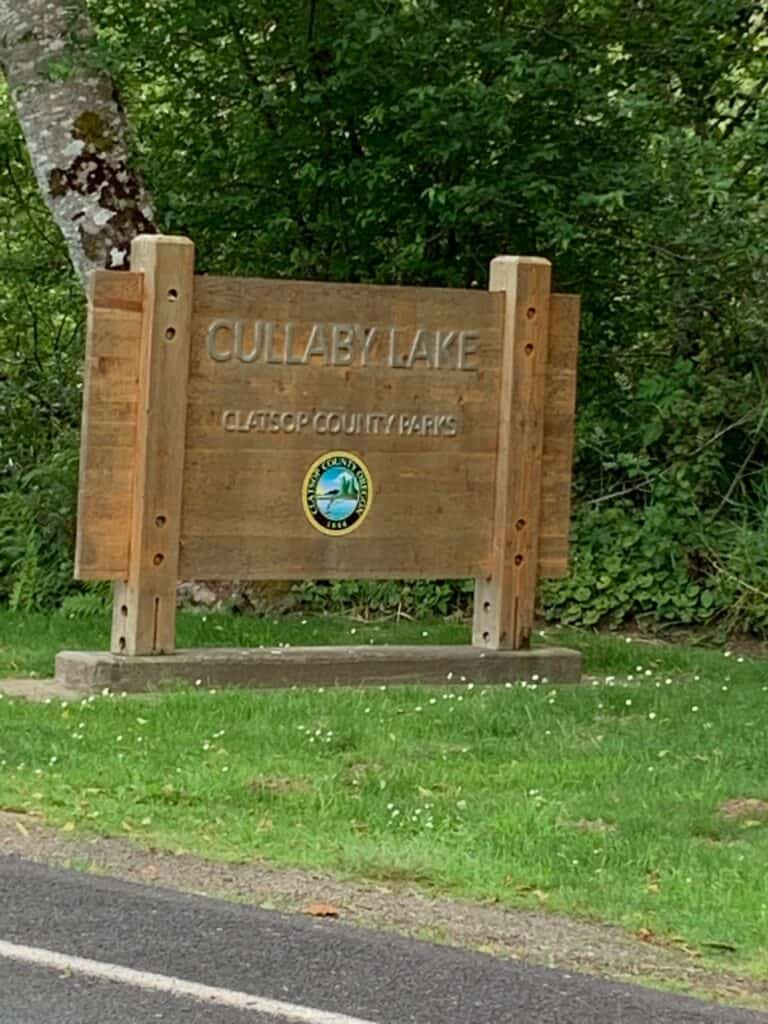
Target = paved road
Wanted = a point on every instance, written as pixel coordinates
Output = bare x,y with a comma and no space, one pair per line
275,967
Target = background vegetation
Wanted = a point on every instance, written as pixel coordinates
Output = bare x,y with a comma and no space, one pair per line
411,141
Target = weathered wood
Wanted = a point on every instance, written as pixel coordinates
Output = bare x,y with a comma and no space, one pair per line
505,597
144,619
430,512
432,496
559,432
107,441
242,529
425,488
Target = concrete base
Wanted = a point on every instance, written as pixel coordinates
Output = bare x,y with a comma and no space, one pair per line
267,668
38,690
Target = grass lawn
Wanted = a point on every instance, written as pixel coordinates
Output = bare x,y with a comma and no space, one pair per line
30,642
601,800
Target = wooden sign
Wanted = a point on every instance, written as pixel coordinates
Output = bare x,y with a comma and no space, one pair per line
259,429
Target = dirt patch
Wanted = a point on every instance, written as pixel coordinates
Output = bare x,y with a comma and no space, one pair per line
589,825
743,807
39,690
536,937
278,785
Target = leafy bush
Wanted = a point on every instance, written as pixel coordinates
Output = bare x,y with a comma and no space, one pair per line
41,321
95,600
37,534
372,598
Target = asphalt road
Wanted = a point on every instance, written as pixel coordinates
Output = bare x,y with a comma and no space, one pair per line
303,968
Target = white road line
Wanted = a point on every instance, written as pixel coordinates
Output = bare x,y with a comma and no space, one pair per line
172,986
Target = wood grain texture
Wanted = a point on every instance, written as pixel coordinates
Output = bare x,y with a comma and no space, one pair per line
314,301
242,512
238,525
144,612
229,526
559,434
505,598
108,438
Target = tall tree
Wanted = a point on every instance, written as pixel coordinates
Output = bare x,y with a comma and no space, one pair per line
75,131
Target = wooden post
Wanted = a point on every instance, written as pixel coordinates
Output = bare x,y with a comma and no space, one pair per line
144,613
505,599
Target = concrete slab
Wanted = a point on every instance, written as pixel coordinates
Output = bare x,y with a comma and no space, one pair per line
39,690
268,668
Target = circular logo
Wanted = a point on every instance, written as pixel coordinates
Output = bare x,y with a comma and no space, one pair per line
337,492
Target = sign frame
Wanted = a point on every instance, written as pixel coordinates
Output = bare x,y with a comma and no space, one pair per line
148,400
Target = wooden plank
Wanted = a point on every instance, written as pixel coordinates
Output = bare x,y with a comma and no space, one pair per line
430,513
108,425
236,525
144,616
216,386
505,598
311,301
451,538
393,561
116,290
559,434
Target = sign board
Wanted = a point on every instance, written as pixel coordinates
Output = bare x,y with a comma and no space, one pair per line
268,429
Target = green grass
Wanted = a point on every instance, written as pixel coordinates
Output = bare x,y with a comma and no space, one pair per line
600,801
29,642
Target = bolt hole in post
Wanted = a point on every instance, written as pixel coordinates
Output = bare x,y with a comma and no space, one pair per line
486,606
172,295
158,559
486,635
160,520
170,333
530,312
529,349
121,644
124,610
519,559
520,524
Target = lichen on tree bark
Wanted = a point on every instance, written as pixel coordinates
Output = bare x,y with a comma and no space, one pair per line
75,130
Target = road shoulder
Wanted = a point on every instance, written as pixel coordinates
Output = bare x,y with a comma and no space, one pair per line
535,937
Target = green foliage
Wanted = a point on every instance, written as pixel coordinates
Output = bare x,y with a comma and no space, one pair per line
386,597
737,562
94,602
37,532
675,537
413,141
40,380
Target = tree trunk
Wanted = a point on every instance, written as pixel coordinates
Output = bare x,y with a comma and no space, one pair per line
75,130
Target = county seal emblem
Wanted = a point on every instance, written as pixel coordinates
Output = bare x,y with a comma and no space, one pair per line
337,493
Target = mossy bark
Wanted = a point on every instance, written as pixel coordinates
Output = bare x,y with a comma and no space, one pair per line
75,130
